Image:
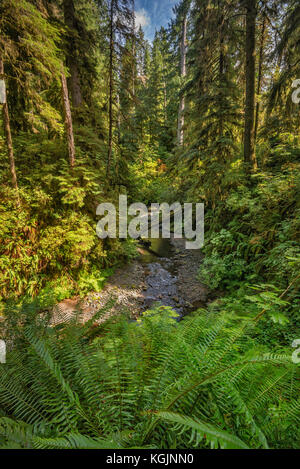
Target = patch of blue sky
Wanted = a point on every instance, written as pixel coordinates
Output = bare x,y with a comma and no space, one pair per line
152,14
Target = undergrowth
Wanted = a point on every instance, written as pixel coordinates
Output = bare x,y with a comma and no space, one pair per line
204,382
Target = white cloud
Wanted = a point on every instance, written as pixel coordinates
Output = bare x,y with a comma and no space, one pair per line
142,18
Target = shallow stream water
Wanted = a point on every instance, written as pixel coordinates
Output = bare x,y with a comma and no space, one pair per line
161,276
166,273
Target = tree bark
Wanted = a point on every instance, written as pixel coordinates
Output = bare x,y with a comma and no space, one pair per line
111,87
68,121
8,137
180,131
74,80
133,52
221,75
249,143
260,72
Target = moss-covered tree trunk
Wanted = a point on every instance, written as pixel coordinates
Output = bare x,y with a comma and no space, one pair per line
8,137
68,120
180,130
111,86
260,73
74,80
249,140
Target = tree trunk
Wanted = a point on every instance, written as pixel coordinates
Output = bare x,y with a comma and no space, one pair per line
68,121
221,76
8,137
111,87
119,119
180,131
259,80
249,144
165,102
133,51
74,80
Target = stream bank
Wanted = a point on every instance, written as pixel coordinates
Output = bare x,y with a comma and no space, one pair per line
165,273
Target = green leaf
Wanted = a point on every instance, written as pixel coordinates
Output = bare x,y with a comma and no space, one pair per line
216,436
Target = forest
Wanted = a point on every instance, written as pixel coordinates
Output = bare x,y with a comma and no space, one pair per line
184,348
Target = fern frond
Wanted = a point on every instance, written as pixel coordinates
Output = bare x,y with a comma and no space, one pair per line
216,437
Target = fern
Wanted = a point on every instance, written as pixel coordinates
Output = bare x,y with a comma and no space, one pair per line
155,383
200,430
